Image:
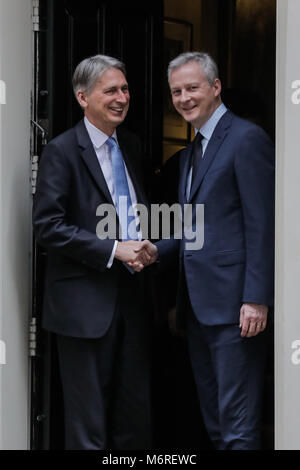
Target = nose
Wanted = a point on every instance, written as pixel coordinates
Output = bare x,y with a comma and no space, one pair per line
184,97
123,96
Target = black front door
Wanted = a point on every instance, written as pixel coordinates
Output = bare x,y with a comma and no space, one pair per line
71,30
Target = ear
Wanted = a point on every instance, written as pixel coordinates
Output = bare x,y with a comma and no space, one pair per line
217,86
81,98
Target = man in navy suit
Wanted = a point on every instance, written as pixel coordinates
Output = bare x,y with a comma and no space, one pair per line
93,301
225,288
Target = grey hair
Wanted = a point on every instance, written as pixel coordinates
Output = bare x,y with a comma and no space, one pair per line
88,71
206,62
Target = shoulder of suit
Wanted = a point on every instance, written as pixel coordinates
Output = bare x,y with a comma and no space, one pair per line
243,122
65,137
241,126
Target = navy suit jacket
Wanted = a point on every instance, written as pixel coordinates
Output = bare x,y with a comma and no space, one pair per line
80,291
235,182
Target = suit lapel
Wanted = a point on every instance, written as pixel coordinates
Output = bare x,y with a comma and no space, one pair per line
89,156
212,148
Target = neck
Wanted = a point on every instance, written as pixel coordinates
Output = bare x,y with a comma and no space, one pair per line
102,126
198,125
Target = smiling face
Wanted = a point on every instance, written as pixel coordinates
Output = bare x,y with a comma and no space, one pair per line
106,105
192,95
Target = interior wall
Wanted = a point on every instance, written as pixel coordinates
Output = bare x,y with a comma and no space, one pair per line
15,72
190,12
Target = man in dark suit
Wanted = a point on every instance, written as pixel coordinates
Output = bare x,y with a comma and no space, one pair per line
93,301
225,288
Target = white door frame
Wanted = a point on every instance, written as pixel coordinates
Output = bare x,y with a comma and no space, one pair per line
287,278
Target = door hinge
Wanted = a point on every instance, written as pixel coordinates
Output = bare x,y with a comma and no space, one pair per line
32,337
34,172
35,15
35,158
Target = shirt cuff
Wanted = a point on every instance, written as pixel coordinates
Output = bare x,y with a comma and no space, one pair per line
112,256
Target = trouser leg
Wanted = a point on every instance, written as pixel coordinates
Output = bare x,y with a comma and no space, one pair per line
131,426
240,365
229,373
205,379
85,375
106,381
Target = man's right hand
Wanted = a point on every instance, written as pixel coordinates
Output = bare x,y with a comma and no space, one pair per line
149,252
136,254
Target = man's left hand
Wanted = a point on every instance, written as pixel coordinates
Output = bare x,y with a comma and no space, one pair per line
253,319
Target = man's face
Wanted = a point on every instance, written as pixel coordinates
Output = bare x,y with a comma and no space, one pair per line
106,105
192,95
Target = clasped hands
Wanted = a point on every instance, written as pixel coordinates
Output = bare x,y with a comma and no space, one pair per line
137,254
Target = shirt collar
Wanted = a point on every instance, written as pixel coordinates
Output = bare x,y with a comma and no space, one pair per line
97,137
209,126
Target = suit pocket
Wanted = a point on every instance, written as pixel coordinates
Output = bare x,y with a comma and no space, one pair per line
227,258
66,271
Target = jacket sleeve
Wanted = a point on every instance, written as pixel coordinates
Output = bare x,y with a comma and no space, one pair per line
255,174
168,252
50,214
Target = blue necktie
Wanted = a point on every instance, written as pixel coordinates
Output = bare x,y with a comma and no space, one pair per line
123,199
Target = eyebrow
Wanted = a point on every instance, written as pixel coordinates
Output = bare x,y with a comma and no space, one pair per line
114,87
185,85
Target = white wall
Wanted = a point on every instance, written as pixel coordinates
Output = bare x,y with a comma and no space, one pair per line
15,71
287,334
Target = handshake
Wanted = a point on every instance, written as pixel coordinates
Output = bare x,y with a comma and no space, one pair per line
137,254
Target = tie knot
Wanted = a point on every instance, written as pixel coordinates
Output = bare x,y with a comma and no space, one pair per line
198,137
111,141
197,143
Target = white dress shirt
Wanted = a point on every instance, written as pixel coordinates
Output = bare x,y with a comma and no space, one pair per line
102,150
207,131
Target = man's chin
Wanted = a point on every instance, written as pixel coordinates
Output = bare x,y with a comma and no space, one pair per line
189,117
190,121
117,120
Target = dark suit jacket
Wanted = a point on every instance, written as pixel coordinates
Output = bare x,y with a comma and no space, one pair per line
235,183
80,292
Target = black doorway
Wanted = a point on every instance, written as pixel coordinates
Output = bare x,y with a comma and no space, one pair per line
134,31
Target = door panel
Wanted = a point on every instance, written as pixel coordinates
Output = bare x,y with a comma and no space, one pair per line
125,30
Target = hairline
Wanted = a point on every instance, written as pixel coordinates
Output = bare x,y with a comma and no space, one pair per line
205,62
97,71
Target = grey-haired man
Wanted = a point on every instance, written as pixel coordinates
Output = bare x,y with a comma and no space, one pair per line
92,300
225,288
